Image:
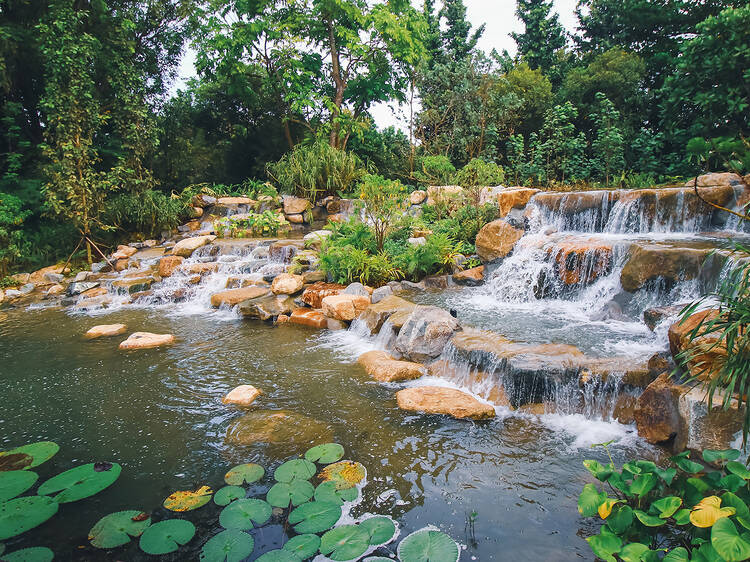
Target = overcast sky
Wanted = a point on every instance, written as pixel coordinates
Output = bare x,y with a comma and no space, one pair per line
499,19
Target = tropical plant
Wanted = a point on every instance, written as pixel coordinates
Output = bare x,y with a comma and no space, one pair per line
383,201
267,223
147,213
608,145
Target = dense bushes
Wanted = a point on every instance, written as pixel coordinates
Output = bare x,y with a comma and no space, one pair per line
147,213
12,242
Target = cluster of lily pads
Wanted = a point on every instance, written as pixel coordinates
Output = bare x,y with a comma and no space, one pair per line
313,513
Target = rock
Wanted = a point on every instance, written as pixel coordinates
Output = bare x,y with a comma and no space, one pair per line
315,293
716,179
514,198
334,325
437,281
496,240
202,200
81,276
278,427
145,340
344,208
295,219
410,286
470,277
229,201
376,314
243,395
443,400
315,239
426,333
660,363
313,277
283,251
417,241
443,193
49,274
186,247
232,297
707,354
121,265
123,252
11,294
384,367
380,293
679,332
356,289
295,205
282,319
202,268
133,285
654,316
53,291
657,414
76,288
168,264
647,262
309,317
287,284
105,330
398,319
344,307
100,267
713,428
581,261
267,307
95,292
26,289
624,409
417,197
196,212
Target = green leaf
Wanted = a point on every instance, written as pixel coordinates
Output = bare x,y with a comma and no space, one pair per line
710,455
682,517
666,507
227,494
605,546
32,554
666,474
699,484
727,543
244,473
738,469
80,482
300,469
589,500
380,529
648,520
643,484
597,470
39,452
278,555
295,492
243,514
303,546
618,483
731,482
621,519
327,492
688,466
646,466
706,553
325,454
166,536
632,552
315,517
426,545
346,542
228,546
115,529
679,554
21,514
15,482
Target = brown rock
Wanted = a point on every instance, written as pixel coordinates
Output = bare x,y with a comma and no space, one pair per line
168,264
197,212
285,250
624,408
517,198
679,332
121,265
95,292
315,293
146,340
279,427
716,179
334,325
295,219
376,314
38,277
309,317
707,355
417,197
287,284
295,205
344,307
657,415
54,290
202,268
243,395
470,277
267,307
384,367
650,261
105,330
232,297
123,252
282,319
496,240
442,400
313,276
227,201
581,261
133,284
653,316
186,247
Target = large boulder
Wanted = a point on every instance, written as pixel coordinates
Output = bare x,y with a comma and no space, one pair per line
716,179
443,194
657,414
344,307
417,197
267,307
707,353
496,240
514,198
105,330
243,395
376,314
309,317
133,284
287,284
146,340
295,205
384,367
76,288
232,297
49,274
283,251
581,261
426,333
648,262
315,293
470,277
443,400
186,247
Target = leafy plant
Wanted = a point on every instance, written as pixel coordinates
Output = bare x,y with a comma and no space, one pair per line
479,173
116,529
383,201
230,545
325,454
244,474
266,223
166,536
435,170
21,514
81,482
428,545
245,513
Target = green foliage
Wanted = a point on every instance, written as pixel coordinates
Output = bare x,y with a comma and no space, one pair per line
244,473
428,546
30,455
166,536
12,240
608,144
543,33
148,213
81,482
117,528
244,514
267,223
345,542
229,545
316,171
435,170
325,454
479,173
384,200
533,92
15,482
21,514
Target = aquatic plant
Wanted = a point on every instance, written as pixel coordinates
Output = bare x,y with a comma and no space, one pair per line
166,536
115,529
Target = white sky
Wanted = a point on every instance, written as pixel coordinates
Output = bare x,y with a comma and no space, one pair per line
499,19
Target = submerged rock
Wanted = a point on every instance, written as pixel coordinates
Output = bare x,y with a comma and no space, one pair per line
384,367
344,307
426,333
654,316
105,330
243,395
145,340
277,427
168,264
232,297
443,400
657,414
496,240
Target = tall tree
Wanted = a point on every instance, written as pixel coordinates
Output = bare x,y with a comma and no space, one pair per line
543,34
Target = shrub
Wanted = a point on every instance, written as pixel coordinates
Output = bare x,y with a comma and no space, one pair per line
147,213
267,223
432,257
346,264
315,171
435,170
13,245
479,173
383,200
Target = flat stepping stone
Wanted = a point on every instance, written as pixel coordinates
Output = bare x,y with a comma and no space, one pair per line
243,395
384,368
443,400
105,330
146,340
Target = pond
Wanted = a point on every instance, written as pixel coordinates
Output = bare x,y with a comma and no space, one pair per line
159,414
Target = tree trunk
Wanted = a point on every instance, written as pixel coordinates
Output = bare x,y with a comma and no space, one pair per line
339,83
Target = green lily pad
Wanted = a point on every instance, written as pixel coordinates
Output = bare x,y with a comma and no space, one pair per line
32,554
279,555
243,514
427,545
15,461
295,492
227,494
325,454
377,559
315,517
166,536
345,474
228,546
40,452
244,473
115,529
80,482
303,546
188,500
380,529
21,514
327,492
15,482
346,542
300,469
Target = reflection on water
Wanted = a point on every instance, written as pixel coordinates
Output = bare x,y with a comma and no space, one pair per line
159,413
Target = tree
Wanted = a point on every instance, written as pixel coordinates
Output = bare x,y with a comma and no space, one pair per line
543,34
560,146
607,147
384,201
533,91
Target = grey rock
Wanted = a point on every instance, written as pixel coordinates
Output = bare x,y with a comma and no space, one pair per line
419,241
13,294
409,286
99,267
380,293
78,287
426,333
81,276
27,288
356,289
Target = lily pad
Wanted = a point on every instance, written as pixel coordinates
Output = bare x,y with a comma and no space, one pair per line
21,514
327,492
243,514
32,554
380,529
303,546
227,494
80,482
228,546
315,517
15,461
244,473
166,536
15,482
300,469
295,492
40,452
427,545
279,555
345,474
115,529
346,542
377,559
325,454
188,500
